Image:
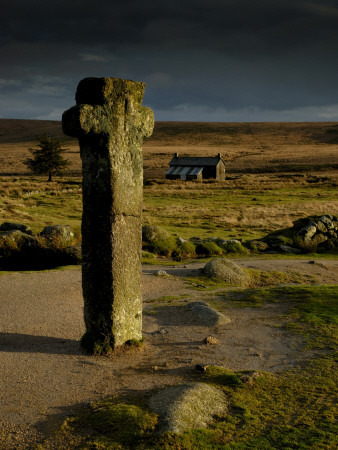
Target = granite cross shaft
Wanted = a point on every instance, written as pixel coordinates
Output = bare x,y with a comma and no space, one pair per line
110,123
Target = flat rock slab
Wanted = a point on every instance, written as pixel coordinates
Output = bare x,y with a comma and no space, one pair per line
187,407
207,316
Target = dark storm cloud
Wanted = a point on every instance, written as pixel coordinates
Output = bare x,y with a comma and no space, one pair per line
198,57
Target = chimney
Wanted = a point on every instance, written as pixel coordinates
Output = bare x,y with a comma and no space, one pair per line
219,155
175,155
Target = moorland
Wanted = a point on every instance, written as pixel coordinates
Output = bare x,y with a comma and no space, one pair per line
276,173
276,358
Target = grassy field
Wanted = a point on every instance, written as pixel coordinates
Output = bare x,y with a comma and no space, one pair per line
248,207
276,173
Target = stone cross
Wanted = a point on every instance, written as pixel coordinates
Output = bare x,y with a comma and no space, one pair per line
110,123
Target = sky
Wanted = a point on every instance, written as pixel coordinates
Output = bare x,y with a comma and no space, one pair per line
201,60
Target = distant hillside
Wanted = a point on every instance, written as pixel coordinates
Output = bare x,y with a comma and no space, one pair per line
18,130
246,147
177,133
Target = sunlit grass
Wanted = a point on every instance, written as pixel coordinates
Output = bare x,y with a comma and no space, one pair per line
295,409
225,210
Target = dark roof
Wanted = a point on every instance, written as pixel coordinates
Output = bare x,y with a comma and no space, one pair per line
195,161
184,170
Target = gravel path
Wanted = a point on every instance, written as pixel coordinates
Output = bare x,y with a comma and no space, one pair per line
45,375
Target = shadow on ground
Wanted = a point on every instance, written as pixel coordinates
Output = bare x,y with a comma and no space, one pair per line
26,343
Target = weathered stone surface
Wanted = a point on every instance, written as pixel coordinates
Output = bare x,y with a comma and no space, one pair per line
20,251
288,249
211,340
227,271
321,227
150,233
309,234
308,231
19,237
110,123
9,226
187,407
207,316
257,245
327,221
63,232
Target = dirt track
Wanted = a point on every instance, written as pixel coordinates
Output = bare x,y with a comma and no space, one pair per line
45,376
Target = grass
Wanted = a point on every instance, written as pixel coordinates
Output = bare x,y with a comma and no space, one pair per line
274,277
228,210
259,278
290,410
246,208
35,202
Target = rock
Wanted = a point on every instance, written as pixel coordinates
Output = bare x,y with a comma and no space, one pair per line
30,253
211,340
321,227
20,238
150,233
308,231
162,331
161,273
227,241
327,221
310,234
63,232
227,271
257,245
288,249
8,226
187,407
74,254
204,367
206,315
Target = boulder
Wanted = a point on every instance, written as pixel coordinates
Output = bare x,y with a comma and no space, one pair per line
158,241
309,234
257,245
72,255
227,271
207,316
316,233
63,232
289,250
308,231
20,251
20,238
327,221
9,226
187,407
321,226
150,233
